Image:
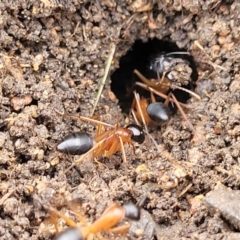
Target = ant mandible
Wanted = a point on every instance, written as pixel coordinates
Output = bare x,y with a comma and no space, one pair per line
105,223
104,143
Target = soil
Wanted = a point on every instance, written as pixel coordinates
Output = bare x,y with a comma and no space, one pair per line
53,55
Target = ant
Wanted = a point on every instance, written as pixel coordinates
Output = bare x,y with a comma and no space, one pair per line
162,87
105,223
175,69
104,143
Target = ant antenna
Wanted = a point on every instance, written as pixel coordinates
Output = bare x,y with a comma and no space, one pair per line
183,89
177,53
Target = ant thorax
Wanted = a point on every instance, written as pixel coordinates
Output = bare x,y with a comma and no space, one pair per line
176,69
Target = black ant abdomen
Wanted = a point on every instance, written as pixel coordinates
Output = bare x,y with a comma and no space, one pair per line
132,211
137,133
158,111
72,233
75,143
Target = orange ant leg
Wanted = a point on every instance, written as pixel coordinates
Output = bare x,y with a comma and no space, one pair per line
172,86
104,135
54,213
112,149
159,86
85,119
99,129
153,99
164,85
122,150
137,100
166,102
53,218
150,89
85,155
120,230
182,112
115,146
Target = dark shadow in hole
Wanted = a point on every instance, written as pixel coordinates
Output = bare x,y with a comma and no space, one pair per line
23,158
138,57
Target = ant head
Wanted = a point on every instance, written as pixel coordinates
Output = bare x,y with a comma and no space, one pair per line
137,133
132,211
72,233
160,62
158,111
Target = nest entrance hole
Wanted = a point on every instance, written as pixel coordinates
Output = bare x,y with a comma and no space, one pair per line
138,57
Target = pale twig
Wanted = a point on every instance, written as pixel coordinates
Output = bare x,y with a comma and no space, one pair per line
108,64
104,78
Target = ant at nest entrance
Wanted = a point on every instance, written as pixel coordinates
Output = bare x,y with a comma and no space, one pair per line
154,79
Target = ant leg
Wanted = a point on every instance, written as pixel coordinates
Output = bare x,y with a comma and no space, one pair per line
76,209
123,150
159,85
166,102
85,155
146,131
142,201
143,79
58,214
144,86
115,146
137,99
85,119
182,112
120,230
53,218
185,90
99,129
153,99
135,117
134,151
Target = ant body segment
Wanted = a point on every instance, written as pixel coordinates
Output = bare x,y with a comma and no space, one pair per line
104,143
76,143
175,69
160,88
105,223
148,113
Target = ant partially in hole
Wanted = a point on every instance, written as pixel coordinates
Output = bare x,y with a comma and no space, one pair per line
172,73
104,143
106,223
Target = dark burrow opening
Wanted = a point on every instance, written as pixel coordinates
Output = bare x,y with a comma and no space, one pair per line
140,57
